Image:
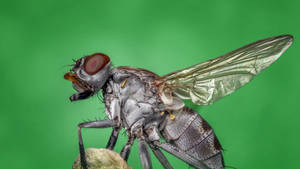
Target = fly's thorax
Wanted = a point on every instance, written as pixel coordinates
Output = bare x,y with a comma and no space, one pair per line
130,96
134,84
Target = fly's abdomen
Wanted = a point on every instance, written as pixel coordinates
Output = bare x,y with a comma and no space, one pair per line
193,135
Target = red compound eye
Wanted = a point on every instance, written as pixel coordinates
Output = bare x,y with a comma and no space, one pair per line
95,62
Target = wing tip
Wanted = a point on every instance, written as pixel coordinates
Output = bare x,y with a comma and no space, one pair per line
288,38
287,41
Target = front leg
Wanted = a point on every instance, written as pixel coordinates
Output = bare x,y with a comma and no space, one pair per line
91,124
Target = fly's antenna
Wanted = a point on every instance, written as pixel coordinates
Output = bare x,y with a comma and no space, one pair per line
74,60
69,65
64,66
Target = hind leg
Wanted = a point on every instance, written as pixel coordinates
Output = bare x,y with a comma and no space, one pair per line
161,157
180,154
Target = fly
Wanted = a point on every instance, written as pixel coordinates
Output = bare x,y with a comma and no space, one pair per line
150,107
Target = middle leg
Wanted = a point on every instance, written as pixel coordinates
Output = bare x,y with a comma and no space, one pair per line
144,153
126,149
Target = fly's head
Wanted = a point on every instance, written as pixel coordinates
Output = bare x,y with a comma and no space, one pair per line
88,75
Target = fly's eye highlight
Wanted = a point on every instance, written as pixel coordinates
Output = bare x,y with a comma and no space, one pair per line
95,63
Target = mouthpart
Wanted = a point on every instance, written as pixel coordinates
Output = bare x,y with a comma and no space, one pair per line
83,93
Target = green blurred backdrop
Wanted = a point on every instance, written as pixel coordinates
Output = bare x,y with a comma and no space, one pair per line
257,125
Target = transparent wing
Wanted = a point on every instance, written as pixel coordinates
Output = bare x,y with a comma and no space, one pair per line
209,81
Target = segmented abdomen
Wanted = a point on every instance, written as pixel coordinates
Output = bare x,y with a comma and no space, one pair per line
192,134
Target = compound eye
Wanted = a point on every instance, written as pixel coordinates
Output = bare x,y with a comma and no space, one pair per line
94,63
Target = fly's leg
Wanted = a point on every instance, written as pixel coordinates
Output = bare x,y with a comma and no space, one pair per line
180,154
161,157
113,138
126,149
152,133
144,153
91,124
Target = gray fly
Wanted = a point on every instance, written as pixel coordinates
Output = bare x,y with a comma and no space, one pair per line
150,107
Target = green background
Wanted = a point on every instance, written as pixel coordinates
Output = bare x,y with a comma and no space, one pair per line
258,125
